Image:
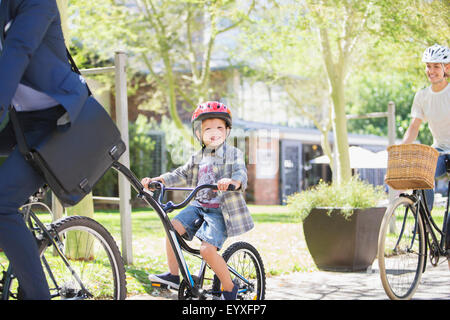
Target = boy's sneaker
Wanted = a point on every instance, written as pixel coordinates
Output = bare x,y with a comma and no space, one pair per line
165,280
231,295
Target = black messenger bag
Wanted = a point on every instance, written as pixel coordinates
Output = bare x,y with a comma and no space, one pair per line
73,160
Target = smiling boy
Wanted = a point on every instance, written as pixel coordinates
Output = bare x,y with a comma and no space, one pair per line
225,214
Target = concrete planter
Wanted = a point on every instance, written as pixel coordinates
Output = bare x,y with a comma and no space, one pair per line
339,244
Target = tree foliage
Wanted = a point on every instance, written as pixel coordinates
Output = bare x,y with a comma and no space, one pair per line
345,42
172,40
334,57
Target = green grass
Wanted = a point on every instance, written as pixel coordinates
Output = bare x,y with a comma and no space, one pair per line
277,236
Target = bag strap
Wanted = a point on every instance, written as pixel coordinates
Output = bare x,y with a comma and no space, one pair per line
20,136
75,68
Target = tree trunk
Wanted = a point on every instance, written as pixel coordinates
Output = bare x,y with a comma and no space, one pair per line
79,245
342,156
336,76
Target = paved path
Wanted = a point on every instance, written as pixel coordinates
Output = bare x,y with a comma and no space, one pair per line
353,286
321,285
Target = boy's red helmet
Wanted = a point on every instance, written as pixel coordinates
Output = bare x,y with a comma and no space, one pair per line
212,109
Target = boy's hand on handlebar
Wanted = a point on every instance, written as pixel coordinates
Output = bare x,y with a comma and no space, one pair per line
146,181
223,184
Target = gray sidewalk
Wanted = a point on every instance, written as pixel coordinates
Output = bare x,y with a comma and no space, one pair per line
321,285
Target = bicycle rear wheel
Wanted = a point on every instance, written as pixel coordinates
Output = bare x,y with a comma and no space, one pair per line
401,249
246,261
93,255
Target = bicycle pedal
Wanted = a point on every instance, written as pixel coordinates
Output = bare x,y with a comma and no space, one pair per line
163,286
159,285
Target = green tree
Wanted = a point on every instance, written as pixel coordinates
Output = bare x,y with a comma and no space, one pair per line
397,71
325,37
172,40
273,48
374,94
336,40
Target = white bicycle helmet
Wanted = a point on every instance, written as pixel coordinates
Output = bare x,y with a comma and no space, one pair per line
436,54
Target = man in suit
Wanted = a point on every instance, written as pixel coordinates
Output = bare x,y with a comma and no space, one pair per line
36,78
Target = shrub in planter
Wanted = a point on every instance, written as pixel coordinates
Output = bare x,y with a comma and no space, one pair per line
341,223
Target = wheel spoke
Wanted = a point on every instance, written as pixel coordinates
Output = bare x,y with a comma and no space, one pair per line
401,255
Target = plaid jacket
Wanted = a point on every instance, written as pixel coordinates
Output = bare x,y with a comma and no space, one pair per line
228,163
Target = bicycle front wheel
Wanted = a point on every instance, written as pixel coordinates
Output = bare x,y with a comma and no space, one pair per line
246,268
87,264
401,249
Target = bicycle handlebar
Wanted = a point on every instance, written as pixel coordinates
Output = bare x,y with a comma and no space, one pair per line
170,206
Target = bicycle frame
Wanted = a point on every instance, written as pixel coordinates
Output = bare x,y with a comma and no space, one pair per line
430,226
176,241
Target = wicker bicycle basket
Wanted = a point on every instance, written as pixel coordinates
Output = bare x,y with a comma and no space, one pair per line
411,166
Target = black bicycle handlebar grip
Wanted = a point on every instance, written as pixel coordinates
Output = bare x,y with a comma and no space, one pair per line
231,187
154,185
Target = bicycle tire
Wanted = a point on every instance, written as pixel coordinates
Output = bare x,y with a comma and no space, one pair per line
99,264
401,249
255,274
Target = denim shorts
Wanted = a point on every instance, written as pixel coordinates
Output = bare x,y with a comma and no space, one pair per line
441,169
212,230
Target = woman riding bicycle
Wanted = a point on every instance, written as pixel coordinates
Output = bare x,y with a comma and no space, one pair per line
224,214
432,105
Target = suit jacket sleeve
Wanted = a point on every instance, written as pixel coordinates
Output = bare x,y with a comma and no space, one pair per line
31,21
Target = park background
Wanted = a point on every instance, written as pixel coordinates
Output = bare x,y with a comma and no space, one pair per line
291,71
